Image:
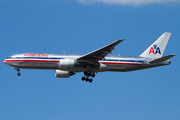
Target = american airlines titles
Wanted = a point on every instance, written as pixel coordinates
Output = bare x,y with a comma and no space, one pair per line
35,55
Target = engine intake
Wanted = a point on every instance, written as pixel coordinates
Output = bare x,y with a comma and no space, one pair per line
66,63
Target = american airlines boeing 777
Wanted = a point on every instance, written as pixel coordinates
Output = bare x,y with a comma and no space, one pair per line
66,65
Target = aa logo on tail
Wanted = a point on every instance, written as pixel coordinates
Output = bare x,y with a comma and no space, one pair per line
154,50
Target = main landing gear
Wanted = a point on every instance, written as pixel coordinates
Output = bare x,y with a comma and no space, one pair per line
18,70
87,75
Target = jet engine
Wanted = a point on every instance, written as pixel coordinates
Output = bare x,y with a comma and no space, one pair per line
63,74
66,63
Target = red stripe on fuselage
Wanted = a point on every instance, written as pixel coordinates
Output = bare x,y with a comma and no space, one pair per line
24,60
30,60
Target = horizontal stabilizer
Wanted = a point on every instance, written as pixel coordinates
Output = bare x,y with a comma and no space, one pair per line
162,58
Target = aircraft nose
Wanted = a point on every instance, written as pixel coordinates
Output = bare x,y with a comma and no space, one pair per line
7,60
4,61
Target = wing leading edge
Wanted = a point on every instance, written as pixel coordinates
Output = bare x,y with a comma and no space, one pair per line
99,54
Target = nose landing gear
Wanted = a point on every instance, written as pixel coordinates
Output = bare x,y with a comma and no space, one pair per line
18,70
87,75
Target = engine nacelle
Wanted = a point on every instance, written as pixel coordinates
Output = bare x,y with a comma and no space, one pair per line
63,74
66,63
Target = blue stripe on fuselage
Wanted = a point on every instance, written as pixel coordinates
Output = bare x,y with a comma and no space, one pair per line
140,61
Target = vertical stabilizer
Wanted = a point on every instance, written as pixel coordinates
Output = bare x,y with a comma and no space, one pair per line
156,50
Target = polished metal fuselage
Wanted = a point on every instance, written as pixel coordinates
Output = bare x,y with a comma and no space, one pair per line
109,63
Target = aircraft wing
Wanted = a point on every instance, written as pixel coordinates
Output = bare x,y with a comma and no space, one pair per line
99,54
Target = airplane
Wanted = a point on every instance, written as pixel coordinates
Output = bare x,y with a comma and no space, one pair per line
66,65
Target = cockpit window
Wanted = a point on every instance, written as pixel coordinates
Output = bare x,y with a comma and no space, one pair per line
9,57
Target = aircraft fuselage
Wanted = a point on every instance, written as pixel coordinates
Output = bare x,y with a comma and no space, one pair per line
50,61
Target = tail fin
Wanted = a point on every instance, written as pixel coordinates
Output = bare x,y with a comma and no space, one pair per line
156,50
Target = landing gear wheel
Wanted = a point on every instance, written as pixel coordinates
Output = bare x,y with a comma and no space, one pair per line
90,80
18,74
18,70
83,78
93,75
87,78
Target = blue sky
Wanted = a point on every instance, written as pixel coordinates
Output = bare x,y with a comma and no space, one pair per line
57,26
